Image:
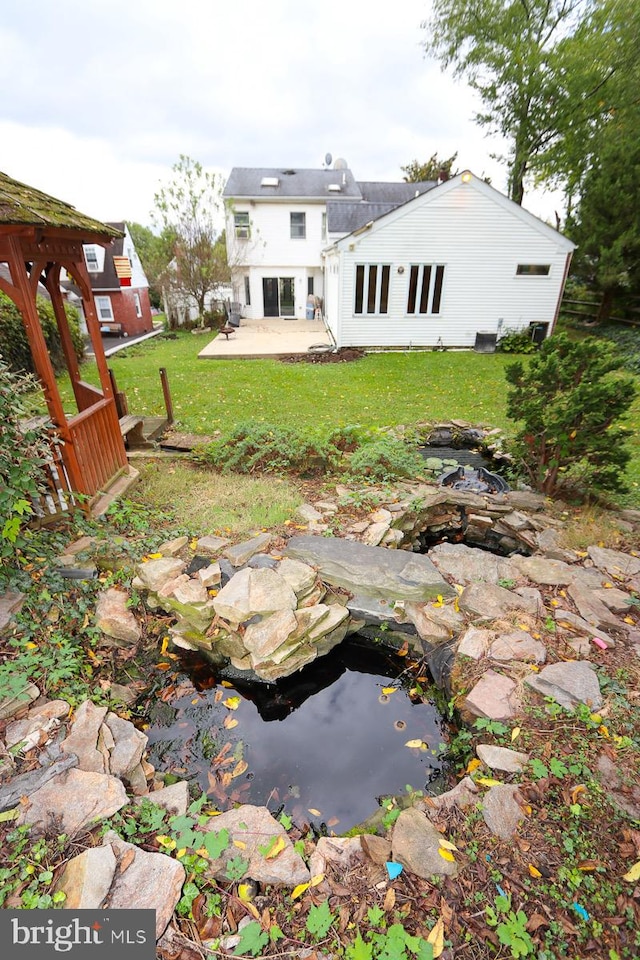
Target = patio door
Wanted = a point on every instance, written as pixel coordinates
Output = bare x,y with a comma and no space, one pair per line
278,295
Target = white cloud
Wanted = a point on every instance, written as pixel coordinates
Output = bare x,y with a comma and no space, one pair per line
104,98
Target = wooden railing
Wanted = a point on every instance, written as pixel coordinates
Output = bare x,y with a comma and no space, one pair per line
96,440
87,395
587,311
57,497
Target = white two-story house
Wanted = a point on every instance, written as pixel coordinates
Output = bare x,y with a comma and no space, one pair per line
391,264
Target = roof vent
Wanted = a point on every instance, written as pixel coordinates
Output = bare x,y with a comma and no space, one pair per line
334,187
288,173
269,182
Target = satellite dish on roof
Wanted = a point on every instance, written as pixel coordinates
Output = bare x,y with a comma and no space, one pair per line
340,164
327,159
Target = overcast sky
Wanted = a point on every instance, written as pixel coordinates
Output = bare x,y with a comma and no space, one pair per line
99,100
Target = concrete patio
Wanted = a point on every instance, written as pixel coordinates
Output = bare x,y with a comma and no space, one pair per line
267,337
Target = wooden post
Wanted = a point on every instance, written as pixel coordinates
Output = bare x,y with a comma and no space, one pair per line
167,394
122,406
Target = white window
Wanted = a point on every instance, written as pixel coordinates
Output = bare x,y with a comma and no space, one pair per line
91,258
136,300
242,225
372,288
103,306
425,288
298,226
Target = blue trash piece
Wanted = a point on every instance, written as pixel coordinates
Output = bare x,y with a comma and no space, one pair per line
393,869
580,910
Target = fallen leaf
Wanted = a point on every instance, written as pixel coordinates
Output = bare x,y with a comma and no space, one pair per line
473,765
436,937
240,768
389,690
446,854
488,782
389,900
226,683
633,875
404,649
232,703
319,877
588,865
534,871
445,911
127,860
447,844
240,844
416,744
276,849
515,733
229,722
575,793
314,812
299,890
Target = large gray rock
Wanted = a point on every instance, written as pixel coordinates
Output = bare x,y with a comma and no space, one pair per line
155,573
416,845
255,827
174,798
569,684
502,810
82,739
10,603
494,696
114,618
501,758
566,618
252,592
148,881
488,601
35,728
87,878
25,784
468,564
518,645
300,576
129,744
591,608
372,571
73,802
241,552
434,623
619,566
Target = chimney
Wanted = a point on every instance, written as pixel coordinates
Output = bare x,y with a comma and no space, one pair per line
443,176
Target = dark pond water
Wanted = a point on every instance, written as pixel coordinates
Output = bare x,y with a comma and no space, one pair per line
324,744
465,457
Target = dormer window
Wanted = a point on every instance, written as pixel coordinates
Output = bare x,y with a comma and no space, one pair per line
91,257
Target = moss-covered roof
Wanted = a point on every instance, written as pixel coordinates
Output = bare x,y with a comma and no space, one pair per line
25,206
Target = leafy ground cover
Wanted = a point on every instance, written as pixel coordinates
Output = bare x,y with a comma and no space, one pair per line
569,886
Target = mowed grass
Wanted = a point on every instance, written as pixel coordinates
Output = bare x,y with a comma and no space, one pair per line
382,389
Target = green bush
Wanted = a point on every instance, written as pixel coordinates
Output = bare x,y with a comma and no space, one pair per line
13,338
516,341
22,453
569,400
385,458
266,447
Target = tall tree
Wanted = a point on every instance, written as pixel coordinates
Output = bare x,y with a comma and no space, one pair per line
156,253
607,227
541,68
190,205
416,172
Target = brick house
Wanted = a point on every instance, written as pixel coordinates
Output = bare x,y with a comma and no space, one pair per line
119,284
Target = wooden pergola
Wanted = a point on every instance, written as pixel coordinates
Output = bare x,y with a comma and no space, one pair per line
39,236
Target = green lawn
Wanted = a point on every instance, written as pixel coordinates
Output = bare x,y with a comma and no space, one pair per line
381,389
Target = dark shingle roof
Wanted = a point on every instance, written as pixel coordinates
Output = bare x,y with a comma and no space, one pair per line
313,184
381,192
107,279
22,205
347,217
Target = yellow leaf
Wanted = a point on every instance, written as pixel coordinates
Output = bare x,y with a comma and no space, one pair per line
488,782
575,793
244,892
31,645
633,874
163,666
439,602
416,744
232,703
607,584
515,733
456,605
316,813
154,556
165,646
240,844
389,690
404,649
167,842
534,871
226,683
203,852
181,852
447,844
446,854
277,848
473,765
604,731
240,768
436,937
299,890
229,722
628,619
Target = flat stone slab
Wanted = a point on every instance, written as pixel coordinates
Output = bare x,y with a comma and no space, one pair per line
74,801
468,564
494,696
569,684
501,758
502,810
618,565
371,571
416,845
488,601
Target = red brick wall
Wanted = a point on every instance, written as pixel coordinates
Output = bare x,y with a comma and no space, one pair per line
124,310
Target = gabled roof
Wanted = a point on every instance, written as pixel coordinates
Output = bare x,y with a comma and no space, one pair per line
378,198
378,191
288,182
465,179
21,205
